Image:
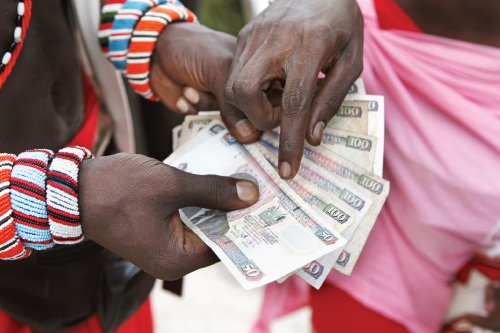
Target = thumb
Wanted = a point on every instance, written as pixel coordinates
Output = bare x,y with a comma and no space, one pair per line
484,322
216,192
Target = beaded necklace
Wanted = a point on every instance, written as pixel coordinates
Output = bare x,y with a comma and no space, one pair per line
22,22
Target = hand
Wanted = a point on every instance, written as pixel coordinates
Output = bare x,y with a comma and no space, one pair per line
294,40
190,67
491,321
129,204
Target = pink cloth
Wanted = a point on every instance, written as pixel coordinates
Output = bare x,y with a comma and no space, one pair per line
442,157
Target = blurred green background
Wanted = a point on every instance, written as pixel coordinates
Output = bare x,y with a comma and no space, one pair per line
221,15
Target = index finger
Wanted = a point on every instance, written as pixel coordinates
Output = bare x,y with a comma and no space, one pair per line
295,109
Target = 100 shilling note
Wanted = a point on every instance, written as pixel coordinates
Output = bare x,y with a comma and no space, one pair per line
352,116
336,187
358,87
259,244
315,272
336,213
356,147
376,125
366,184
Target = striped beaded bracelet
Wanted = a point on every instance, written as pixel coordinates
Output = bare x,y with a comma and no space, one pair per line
62,197
108,13
11,247
123,25
143,42
28,198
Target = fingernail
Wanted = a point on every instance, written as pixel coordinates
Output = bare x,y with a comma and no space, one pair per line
192,95
247,191
318,131
245,128
285,170
182,105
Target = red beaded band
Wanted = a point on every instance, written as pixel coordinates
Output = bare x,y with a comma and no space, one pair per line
11,247
144,40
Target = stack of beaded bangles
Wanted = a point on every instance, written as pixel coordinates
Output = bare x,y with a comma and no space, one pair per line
128,33
39,201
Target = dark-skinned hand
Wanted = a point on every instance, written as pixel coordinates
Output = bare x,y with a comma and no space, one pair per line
492,306
190,67
129,205
293,40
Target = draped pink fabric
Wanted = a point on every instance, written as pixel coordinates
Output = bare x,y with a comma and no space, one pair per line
442,157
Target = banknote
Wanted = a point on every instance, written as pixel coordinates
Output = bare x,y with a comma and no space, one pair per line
337,213
277,235
352,116
376,125
205,134
194,122
358,87
356,147
176,136
331,172
316,272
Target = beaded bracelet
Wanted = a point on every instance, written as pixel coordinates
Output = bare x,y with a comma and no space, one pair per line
143,42
108,12
122,28
28,198
62,197
11,247
22,22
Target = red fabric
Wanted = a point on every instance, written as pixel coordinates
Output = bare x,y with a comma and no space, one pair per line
335,310
140,322
488,266
86,134
391,16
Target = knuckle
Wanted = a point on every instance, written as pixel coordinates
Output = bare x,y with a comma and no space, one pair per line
241,88
229,94
244,32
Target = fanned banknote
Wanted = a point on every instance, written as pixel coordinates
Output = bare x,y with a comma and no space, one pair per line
356,147
352,116
358,87
176,136
338,181
337,193
277,235
193,124
376,125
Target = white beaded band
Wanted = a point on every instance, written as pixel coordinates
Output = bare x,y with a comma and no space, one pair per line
62,197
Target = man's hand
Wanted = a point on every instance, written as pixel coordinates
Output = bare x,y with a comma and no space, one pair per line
129,204
492,306
294,40
190,67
